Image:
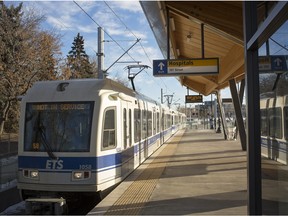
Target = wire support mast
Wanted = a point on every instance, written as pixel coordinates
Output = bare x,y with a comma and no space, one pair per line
131,75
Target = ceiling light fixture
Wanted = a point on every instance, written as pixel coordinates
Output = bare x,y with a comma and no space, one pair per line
189,37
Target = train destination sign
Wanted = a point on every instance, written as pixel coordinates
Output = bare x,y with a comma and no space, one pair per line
277,63
181,67
193,98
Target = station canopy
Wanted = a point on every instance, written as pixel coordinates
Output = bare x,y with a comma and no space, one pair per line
222,37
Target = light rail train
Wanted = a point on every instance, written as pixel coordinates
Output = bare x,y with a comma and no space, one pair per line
83,136
274,128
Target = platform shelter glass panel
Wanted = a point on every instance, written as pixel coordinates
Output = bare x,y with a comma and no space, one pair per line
273,86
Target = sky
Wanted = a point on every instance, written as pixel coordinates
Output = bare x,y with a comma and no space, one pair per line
123,22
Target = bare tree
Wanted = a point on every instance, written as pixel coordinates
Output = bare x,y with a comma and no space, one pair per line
27,54
270,80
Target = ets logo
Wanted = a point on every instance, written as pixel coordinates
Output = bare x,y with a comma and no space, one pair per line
54,164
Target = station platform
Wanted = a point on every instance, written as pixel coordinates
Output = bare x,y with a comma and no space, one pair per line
195,172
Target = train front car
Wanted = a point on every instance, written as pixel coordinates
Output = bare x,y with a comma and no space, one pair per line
56,156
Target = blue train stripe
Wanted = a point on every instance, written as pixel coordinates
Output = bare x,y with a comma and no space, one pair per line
97,164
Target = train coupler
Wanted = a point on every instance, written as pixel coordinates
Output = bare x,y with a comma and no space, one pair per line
56,206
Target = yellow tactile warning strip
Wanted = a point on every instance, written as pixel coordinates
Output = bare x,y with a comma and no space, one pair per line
139,192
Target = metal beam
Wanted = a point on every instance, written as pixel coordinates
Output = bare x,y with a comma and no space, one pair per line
237,108
222,114
241,93
275,19
241,96
168,32
253,114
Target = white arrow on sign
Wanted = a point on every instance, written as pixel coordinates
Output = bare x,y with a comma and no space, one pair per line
278,61
161,65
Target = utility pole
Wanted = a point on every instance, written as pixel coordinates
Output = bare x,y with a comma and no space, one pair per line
100,53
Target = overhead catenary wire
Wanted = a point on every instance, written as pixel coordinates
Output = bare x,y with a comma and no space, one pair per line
283,47
103,30
118,43
123,23
127,28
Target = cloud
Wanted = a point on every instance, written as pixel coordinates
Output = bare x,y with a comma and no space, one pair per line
128,6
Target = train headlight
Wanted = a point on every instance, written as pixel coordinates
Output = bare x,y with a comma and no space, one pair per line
77,175
81,175
34,174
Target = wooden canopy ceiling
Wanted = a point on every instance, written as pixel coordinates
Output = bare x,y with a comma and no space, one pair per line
223,38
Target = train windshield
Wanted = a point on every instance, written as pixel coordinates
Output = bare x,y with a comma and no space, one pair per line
58,127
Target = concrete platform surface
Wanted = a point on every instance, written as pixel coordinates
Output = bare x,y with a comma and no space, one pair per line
196,172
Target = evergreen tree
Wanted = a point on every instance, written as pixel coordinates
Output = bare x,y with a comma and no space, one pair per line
78,61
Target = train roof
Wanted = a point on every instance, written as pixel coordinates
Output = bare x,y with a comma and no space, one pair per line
89,88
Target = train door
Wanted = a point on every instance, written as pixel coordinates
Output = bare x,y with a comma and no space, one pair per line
162,129
173,125
145,133
127,154
158,127
155,125
137,134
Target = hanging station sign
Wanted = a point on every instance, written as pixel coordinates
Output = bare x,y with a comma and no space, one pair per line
227,100
193,98
182,67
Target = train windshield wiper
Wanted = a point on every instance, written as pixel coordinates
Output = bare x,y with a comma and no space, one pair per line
48,148
41,129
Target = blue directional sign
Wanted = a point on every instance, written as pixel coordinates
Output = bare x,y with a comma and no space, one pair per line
278,63
159,67
179,67
269,64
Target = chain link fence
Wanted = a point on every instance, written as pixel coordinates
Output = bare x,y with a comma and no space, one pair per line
8,145
8,161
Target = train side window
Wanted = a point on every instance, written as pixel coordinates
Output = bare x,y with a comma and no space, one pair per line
162,122
144,124
109,129
286,122
275,122
263,122
137,125
149,123
166,121
158,123
154,123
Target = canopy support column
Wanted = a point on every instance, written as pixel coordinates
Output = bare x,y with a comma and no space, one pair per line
222,114
237,108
